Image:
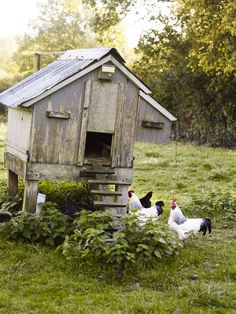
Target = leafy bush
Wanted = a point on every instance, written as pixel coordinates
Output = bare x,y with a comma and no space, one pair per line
12,204
56,192
94,239
50,226
214,204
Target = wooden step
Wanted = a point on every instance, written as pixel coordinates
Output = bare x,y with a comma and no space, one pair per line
111,204
108,181
100,171
106,193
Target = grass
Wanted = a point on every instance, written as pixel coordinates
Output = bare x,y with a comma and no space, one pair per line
201,279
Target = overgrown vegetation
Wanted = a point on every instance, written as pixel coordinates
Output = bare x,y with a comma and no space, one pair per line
94,239
200,279
88,235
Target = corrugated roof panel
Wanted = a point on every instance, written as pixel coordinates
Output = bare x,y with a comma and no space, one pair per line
71,62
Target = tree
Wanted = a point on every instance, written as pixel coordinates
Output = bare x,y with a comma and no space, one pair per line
58,28
191,67
63,25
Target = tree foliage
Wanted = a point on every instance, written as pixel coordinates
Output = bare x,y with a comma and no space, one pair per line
191,67
63,25
59,27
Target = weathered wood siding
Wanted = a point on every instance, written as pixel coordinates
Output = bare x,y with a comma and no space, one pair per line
18,132
112,108
146,112
102,110
56,140
124,136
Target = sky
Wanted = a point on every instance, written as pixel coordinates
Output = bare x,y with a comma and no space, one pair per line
16,14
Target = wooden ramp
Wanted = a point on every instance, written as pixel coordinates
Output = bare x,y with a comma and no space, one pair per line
109,192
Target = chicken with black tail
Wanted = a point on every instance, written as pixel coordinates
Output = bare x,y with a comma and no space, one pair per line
186,226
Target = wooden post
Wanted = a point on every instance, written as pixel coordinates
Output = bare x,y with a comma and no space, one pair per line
84,124
37,61
30,196
12,183
122,199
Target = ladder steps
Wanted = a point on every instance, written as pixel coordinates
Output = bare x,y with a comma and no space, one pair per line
99,171
111,204
106,193
108,181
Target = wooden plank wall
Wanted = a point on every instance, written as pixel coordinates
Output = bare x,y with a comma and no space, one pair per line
56,140
19,132
124,137
151,135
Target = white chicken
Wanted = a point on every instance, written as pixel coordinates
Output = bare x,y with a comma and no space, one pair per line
134,202
144,213
154,211
186,226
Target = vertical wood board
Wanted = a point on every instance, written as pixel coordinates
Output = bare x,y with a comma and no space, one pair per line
147,113
19,129
84,123
102,112
124,137
57,140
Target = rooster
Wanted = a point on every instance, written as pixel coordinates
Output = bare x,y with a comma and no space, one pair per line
134,202
186,226
4,217
145,201
137,203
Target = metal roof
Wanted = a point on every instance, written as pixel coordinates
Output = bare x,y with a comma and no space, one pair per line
68,64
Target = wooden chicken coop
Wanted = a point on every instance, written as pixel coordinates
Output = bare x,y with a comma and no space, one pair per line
77,119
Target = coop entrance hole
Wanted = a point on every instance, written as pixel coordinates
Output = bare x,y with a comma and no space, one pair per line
98,145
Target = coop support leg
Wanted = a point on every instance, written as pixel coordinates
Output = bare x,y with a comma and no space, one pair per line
12,183
122,199
30,196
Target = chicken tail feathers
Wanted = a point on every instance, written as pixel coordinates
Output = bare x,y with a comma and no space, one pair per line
206,225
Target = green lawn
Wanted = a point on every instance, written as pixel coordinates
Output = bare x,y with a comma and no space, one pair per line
201,279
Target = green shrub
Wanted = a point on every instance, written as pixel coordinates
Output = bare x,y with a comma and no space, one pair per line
94,239
56,192
12,204
49,226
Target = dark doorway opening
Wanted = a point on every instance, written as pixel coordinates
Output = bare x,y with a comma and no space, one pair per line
98,145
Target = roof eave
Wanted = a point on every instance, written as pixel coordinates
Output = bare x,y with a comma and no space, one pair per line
157,106
88,69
